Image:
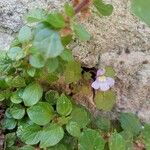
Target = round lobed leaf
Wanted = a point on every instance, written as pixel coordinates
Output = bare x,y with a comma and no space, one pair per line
81,32
117,142
32,94
9,123
37,61
15,53
51,135
105,100
103,123
131,123
48,43
17,111
141,9
41,113
67,55
91,140
10,139
15,98
102,8
80,116
51,97
29,134
25,34
64,106
52,65
56,20
73,129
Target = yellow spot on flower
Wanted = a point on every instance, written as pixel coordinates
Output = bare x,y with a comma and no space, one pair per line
102,78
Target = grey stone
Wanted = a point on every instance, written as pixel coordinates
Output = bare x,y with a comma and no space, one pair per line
5,41
120,40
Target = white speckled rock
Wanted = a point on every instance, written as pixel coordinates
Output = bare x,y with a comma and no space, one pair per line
12,12
132,83
120,40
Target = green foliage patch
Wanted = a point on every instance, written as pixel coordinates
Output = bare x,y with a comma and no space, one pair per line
39,76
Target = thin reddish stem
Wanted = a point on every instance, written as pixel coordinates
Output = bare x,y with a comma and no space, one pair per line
82,5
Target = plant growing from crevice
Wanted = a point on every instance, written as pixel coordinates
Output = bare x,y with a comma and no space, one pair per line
40,79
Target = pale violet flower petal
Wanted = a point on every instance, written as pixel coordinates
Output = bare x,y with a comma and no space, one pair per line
95,85
110,81
104,86
100,72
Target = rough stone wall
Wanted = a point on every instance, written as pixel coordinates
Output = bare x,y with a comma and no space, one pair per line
120,40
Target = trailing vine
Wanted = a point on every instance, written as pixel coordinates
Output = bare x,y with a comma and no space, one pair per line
40,83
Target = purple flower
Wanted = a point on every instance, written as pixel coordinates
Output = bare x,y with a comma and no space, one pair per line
102,82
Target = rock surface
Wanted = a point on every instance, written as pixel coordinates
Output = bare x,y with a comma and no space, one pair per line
120,40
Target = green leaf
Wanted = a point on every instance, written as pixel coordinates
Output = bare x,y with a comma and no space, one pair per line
36,15
64,106
48,43
146,136
15,53
2,96
52,78
80,116
12,148
73,129
52,65
91,140
17,111
17,64
103,9
103,123
32,94
15,98
18,82
70,142
31,71
7,93
105,100
15,42
25,122
69,10
56,20
51,135
66,39
131,123
41,113
27,147
141,9
67,55
72,72
9,123
81,32
58,147
29,134
51,97
7,113
109,72
37,61
25,34
55,47
10,139
63,120
3,84
128,136
117,142
5,62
